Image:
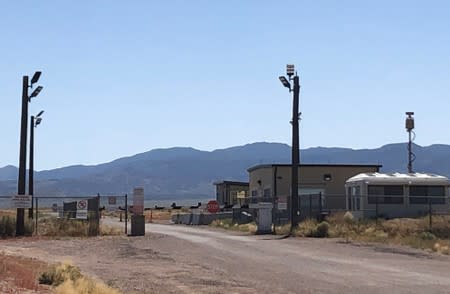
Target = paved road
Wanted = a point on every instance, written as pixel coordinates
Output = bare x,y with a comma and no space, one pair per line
264,264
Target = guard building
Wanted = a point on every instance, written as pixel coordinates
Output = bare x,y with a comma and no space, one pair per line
272,183
230,193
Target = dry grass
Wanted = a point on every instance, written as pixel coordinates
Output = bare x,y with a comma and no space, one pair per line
54,227
20,274
229,225
68,279
8,226
158,215
106,230
402,231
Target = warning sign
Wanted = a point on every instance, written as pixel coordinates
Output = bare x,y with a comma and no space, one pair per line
21,201
82,209
112,200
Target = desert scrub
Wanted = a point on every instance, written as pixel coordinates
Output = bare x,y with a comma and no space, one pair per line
8,226
67,278
310,228
229,225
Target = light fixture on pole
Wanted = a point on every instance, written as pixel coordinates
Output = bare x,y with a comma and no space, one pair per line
35,121
295,207
21,183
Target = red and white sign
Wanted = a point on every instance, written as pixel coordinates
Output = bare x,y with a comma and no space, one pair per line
82,209
213,206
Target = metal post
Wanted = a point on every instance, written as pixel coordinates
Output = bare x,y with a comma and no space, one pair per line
430,218
126,214
295,155
31,169
410,170
37,215
310,206
21,185
376,209
320,206
274,197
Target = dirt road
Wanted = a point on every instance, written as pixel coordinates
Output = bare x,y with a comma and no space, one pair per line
185,259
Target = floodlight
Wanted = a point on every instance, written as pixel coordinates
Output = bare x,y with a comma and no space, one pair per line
290,70
38,121
36,92
35,77
40,113
285,82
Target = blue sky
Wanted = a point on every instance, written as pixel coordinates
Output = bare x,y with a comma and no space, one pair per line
124,77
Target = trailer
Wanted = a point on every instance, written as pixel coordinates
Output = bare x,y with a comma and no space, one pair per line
393,195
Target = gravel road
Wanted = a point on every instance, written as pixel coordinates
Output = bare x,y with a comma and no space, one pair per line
187,259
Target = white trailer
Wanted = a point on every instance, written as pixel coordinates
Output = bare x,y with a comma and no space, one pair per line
397,194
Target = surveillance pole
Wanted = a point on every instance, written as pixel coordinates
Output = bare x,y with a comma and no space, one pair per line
20,217
409,124
31,169
295,208
295,205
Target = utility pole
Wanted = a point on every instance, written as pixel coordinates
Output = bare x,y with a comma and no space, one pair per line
295,154
21,184
35,121
295,205
20,217
31,169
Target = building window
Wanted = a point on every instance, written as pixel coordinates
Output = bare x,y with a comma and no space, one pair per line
385,194
254,193
267,193
421,194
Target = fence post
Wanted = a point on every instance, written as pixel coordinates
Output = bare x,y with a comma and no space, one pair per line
310,206
376,210
320,206
37,215
126,214
430,224
98,214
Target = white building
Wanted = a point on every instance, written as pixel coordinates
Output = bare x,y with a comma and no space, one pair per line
397,194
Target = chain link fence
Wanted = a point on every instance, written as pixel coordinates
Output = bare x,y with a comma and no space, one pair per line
318,206
76,210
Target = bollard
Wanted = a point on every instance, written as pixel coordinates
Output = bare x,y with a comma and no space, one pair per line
120,217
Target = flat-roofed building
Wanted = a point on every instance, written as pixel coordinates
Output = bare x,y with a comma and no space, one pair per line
272,183
231,192
397,194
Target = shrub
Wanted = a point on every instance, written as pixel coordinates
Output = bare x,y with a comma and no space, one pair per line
321,230
306,228
7,226
427,236
56,275
68,279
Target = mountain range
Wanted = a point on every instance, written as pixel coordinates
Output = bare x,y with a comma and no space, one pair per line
189,173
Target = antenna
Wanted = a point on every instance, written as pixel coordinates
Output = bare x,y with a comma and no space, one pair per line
409,125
